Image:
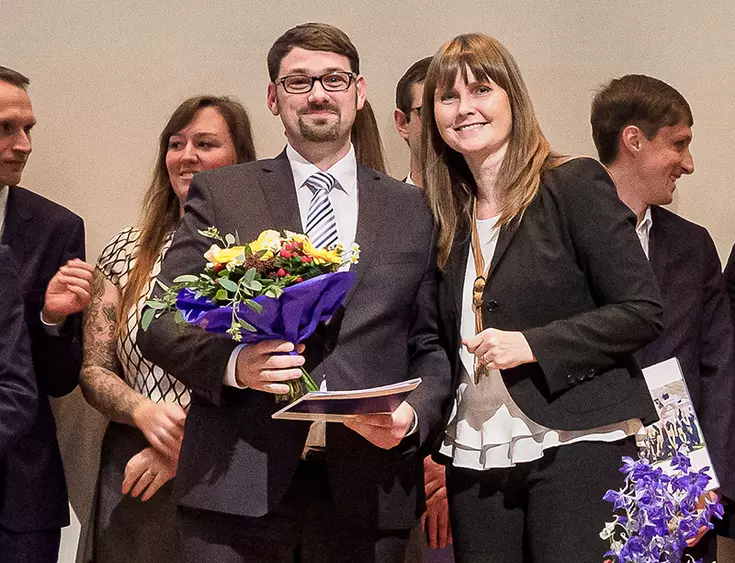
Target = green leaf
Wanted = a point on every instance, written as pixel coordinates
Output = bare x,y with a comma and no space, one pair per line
249,276
186,278
148,316
179,317
254,285
229,285
254,305
246,325
274,291
155,304
221,295
229,239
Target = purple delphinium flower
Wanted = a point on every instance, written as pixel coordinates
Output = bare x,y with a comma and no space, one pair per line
657,512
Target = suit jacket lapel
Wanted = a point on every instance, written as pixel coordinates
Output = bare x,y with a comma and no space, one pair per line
279,191
18,226
456,268
370,215
507,232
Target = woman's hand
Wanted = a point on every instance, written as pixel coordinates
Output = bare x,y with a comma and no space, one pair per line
162,424
147,471
500,349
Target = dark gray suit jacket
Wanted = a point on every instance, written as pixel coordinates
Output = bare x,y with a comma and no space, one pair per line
235,458
698,330
571,275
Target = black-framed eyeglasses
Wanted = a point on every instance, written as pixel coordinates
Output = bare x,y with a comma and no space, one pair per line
331,82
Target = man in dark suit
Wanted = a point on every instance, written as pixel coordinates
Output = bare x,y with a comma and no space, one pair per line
642,130
256,489
46,242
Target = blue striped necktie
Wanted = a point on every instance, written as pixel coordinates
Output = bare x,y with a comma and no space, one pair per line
321,224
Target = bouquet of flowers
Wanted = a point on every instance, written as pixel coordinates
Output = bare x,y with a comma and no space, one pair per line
278,286
661,511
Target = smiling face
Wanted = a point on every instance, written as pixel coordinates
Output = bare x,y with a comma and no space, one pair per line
474,117
317,116
16,122
204,144
662,160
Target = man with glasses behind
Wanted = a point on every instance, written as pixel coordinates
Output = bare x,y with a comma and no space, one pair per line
256,489
409,97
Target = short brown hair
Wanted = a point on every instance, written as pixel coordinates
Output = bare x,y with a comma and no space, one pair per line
312,37
415,74
13,77
634,99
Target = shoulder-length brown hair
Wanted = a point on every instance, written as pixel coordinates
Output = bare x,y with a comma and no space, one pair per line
161,208
450,186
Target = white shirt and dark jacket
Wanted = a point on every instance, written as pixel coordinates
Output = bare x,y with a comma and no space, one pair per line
237,460
572,278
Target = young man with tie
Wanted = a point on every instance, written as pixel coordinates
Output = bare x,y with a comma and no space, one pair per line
256,489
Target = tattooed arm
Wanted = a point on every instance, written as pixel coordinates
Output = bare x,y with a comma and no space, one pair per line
102,380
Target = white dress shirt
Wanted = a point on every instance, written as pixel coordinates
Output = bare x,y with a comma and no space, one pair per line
3,206
643,230
486,428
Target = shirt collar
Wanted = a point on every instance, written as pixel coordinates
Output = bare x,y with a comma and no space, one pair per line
344,170
409,180
4,191
644,227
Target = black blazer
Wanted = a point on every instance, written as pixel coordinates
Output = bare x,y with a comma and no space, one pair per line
42,236
18,390
235,458
698,329
729,275
571,275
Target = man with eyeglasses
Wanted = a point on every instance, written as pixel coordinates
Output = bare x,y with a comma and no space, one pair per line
407,115
255,489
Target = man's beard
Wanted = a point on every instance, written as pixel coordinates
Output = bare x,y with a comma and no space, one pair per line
321,130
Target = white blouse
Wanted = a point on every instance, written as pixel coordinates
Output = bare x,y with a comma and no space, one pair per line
486,428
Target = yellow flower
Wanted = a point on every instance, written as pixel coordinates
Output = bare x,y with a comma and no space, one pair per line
322,255
225,255
270,241
296,237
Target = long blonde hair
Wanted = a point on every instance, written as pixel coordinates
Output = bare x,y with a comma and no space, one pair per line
450,185
161,208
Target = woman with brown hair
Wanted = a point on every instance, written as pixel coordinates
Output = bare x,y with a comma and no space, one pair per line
545,295
146,406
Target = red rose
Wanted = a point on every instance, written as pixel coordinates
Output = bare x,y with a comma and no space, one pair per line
285,253
281,273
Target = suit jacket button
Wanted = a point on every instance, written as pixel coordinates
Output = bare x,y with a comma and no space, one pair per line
570,379
591,374
492,306
580,377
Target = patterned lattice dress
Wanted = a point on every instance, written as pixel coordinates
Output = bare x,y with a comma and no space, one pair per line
124,529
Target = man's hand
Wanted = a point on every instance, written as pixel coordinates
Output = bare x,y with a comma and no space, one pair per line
384,430
268,365
162,424
148,471
500,349
435,520
68,292
708,497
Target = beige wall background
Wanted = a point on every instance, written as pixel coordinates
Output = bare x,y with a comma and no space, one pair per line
106,75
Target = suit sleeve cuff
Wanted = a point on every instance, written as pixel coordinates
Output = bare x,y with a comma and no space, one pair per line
415,425
52,329
230,380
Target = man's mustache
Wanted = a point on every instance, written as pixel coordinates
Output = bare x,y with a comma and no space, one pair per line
324,107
